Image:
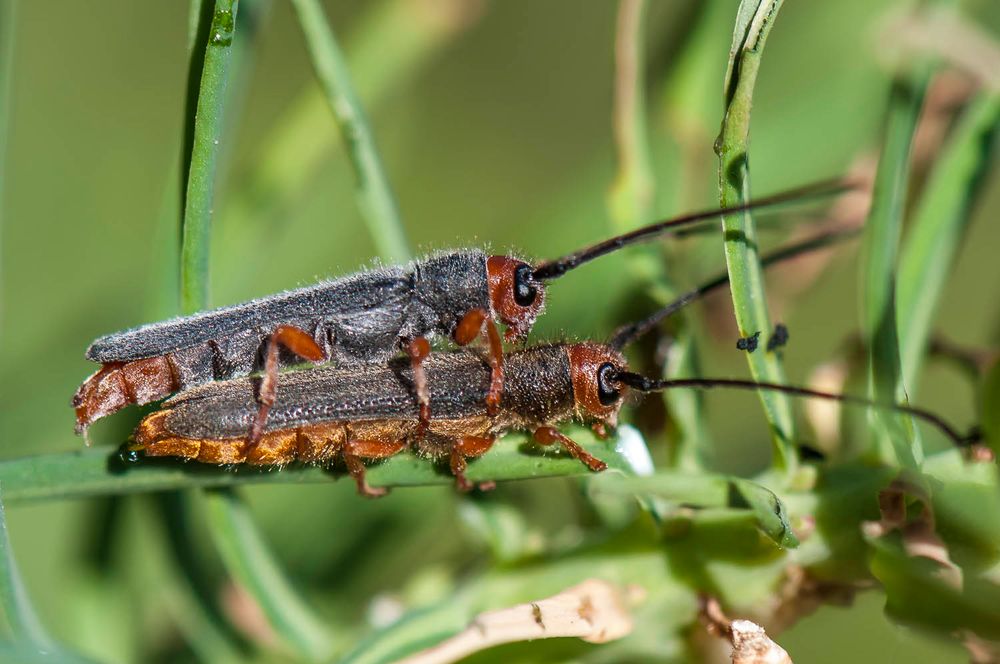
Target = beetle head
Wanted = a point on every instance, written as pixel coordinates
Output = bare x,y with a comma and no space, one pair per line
597,395
516,296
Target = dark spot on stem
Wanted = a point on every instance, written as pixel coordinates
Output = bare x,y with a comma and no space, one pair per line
749,344
779,338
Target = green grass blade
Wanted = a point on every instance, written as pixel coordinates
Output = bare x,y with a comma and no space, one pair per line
394,41
378,205
938,227
189,594
630,199
21,621
99,471
248,559
878,276
7,33
208,125
754,22
243,550
630,205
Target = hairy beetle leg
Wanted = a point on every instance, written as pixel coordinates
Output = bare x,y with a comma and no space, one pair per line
551,435
356,450
299,342
418,350
470,327
466,448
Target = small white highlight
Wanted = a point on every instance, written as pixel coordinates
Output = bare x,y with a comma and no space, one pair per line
632,446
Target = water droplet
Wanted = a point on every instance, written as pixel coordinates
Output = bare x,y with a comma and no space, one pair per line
130,456
222,29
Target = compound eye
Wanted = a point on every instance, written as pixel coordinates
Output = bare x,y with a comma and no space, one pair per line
607,393
525,291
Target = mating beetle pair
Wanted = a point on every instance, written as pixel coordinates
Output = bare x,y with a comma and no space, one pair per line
369,405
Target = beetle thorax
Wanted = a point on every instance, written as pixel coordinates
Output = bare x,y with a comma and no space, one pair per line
538,388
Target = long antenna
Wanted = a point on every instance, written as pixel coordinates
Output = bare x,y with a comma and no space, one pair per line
628,333
556,268
644,384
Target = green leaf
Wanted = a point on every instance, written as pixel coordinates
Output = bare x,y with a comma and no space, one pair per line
771,513
878,274
702,491
754,22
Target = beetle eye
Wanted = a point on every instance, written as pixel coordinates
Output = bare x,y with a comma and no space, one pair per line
525,292
607,393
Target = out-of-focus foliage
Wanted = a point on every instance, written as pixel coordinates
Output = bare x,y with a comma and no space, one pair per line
494,124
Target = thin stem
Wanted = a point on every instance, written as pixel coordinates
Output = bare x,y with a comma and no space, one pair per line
378,205
99,471
208,128
391,43
21,621
746,276
249,560
191,596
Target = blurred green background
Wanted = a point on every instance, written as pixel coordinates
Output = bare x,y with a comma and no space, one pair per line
495,132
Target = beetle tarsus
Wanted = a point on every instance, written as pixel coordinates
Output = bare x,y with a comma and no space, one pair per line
463,449
550,435
356,450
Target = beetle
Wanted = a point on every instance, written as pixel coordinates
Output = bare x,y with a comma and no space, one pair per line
367,317
367,412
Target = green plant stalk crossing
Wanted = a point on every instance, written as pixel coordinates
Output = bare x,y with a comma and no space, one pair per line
242,548
745,273
378,205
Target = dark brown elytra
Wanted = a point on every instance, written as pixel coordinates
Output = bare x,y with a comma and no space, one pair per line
368,318
367,412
